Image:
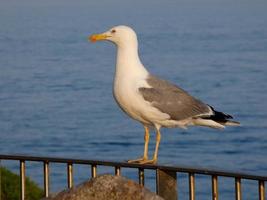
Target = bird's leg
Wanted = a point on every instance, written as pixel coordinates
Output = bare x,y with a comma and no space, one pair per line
145,157
155,157
146,138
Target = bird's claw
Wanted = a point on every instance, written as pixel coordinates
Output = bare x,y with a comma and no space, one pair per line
143,161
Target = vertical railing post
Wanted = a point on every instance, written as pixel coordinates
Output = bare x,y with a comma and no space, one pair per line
93,171
22,180
46,178
238,195
215,195
70,175
167,184
261,190
141,176
191,186
117,171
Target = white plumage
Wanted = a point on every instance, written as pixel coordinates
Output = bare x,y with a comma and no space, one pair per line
152,101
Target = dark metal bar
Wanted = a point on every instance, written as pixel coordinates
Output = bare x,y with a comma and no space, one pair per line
215,187
191,186
70,175
261,190
93,171
238,194
141,176
169,170
117,171
167,184
134,165
22,179
46,178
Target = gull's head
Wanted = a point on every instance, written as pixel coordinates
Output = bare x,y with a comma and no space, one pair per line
120,35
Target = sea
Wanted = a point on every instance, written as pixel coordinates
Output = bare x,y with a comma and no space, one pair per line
56,87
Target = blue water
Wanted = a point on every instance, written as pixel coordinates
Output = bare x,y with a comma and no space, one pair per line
56,88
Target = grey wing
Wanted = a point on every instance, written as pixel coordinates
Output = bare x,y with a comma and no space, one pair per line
172,100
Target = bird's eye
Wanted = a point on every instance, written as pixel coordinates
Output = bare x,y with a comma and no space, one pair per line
113,31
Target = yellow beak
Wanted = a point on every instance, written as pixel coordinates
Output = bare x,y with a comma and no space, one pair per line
96,37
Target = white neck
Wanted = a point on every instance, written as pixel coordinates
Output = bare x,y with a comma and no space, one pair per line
128,62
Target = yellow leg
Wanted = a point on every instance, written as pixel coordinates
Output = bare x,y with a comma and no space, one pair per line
145,157
146,138
155,157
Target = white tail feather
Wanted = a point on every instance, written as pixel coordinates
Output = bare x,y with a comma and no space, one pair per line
231,123
207,122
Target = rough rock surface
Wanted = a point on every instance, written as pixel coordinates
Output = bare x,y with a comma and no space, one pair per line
107,187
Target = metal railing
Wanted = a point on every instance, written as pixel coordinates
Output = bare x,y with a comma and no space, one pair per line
166,176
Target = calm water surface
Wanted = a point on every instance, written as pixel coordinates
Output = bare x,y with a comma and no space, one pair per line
56,88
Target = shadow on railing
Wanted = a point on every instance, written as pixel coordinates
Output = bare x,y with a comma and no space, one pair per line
166,176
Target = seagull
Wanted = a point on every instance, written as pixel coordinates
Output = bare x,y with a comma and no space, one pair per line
151,100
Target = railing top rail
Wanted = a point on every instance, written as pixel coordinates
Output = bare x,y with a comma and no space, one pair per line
185,169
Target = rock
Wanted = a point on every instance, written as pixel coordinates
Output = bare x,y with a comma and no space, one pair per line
107,187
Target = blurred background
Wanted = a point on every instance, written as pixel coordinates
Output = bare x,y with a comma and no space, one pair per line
56,87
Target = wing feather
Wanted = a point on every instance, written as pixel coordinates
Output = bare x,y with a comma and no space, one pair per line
173,100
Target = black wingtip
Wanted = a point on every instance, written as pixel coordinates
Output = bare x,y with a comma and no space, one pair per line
219,116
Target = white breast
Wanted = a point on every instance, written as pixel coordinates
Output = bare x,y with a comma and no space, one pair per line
131,102
126,95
